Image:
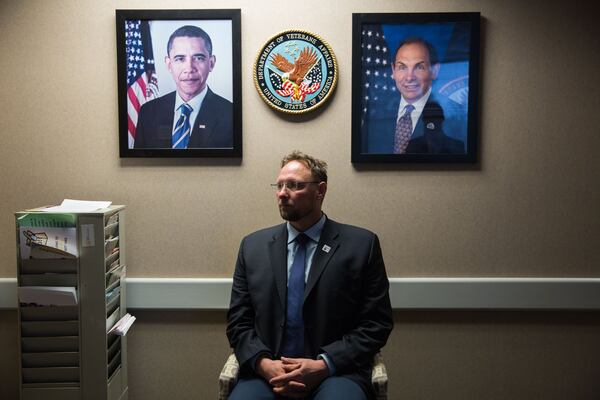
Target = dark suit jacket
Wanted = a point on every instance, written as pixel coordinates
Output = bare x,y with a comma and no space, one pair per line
213,127
428,136
347,311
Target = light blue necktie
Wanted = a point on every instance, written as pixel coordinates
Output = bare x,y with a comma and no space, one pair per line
293,340
181,133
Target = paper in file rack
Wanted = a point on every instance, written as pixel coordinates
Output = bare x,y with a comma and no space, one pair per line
48,295
123,325
47,236
43,242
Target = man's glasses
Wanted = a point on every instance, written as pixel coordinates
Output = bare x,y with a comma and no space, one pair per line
292,186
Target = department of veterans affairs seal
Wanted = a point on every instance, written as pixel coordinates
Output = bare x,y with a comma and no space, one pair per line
295,71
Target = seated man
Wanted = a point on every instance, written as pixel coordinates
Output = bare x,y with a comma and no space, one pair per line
309,304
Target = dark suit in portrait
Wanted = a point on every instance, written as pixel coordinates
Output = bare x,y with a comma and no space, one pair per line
347,311
213,127
428,137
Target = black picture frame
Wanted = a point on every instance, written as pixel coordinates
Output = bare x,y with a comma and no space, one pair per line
146,32
450,115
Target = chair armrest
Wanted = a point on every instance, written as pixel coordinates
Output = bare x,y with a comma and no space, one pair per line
379,377
228,377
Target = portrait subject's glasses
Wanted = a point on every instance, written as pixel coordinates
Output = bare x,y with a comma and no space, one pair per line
292,186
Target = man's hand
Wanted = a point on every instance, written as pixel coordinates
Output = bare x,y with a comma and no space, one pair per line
269,369
301,376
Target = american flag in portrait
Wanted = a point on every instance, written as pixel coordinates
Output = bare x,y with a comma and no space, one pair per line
378,87
142,83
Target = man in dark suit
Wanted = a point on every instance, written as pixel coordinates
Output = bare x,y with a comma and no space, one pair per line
193,116
314,340
416,122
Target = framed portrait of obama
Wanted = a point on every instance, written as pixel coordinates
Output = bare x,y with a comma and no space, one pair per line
415,87
179,82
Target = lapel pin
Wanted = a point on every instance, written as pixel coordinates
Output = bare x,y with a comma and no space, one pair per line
202,126
326,248
431,126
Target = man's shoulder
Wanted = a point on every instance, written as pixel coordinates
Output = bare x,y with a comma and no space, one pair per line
433,108
272,232
266,233
220,100
350,230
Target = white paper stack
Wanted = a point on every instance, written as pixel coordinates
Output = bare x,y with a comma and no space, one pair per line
75,206
123,325
48,295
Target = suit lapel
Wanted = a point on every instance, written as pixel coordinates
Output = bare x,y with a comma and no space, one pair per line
325,249
278,258
431,119
202,130
164,123
391,130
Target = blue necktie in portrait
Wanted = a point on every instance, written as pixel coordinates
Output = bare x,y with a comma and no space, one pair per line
293,341
403,130
181,133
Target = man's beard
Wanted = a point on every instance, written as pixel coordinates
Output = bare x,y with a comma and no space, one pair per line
289,215
294,214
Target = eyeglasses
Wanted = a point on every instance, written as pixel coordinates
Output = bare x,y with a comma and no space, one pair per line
292,186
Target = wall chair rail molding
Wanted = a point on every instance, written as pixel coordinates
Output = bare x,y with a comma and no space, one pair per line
405,293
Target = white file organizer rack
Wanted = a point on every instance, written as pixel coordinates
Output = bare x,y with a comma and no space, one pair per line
65,351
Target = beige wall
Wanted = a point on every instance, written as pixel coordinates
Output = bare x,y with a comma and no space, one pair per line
529,208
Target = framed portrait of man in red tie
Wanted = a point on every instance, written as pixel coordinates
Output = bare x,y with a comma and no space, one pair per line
415,87
179,83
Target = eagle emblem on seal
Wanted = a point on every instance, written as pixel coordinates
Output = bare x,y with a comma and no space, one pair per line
295,71
298,79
